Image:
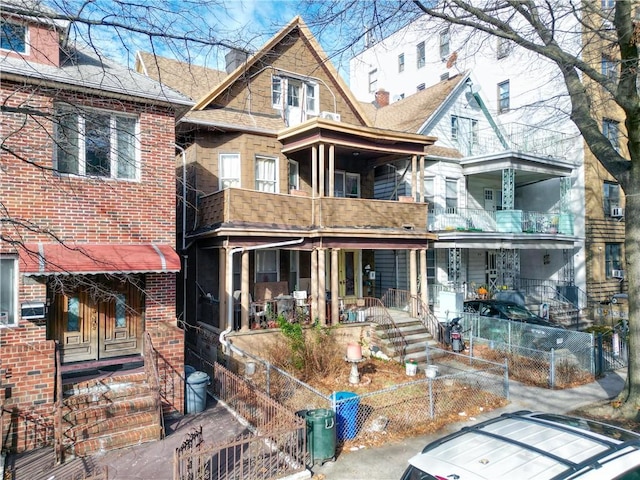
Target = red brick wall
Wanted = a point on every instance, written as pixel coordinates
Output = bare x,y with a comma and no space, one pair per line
88,210
43,46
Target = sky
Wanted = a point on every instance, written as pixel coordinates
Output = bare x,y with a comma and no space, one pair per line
216,24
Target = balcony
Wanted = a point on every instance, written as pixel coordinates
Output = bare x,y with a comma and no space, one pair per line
504,221
240,206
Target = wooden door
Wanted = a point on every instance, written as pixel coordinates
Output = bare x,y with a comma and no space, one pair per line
90,328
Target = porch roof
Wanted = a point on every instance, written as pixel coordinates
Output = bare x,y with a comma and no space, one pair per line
85,259
367,141
498,240
530,168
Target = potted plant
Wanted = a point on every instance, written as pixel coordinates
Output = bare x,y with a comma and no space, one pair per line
483,292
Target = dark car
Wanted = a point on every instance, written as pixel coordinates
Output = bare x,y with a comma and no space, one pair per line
551,336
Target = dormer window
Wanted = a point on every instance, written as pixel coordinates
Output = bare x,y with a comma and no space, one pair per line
14,37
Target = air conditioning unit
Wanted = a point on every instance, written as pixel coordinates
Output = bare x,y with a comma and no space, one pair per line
330,116
617,212
617,273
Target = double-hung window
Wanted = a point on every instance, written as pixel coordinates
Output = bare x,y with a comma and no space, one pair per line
373,80
464,132
345,184
401,63
611,130
229,170
609,68
611,196
267,262
504,96
612,258
97,143
451,199
429,191
13,37
8,291
294,175
420,55
445,38
266,174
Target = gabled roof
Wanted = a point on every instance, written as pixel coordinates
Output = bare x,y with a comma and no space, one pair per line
411,113
323,62
85,71
191,80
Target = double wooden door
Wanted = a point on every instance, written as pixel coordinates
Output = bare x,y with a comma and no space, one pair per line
98,322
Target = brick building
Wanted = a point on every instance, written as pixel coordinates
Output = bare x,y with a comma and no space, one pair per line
88,219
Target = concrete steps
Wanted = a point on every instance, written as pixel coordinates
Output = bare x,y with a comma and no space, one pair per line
109,413
414,333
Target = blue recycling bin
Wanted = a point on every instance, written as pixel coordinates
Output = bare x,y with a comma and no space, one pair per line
197,392
347,404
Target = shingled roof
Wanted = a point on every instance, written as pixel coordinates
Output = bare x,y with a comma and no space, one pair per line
410,113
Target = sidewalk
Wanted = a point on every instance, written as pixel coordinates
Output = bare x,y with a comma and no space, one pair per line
154,461
390,461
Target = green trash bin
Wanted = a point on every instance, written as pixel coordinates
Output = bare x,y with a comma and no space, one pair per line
321,435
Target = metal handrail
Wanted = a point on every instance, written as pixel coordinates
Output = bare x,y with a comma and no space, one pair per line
151,371
377,313
58,407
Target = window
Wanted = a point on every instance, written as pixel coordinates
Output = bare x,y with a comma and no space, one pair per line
373,81
420,87
444,43
13,37
611,196
276,92
451,195
609,68
607,4
464,132
420,58
294,175
267,265
8,292
97,143
229,170
612,258
429,191
302,98
503,97
345,184
504,48
311,102
611,131
401,62
266,174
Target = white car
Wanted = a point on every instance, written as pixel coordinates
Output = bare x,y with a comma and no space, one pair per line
531,445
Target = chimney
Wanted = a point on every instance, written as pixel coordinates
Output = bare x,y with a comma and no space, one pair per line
382,98
234,58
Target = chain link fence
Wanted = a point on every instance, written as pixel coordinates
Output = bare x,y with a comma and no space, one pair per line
456,385
537,354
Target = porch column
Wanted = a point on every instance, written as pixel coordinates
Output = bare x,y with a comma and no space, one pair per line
413,280
322,287
222,287
421,180
335,287
244,291
332,167
508,188
414,175
314,283
424,288
314,171
321,162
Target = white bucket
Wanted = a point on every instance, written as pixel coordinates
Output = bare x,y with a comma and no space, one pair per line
411,368
431,371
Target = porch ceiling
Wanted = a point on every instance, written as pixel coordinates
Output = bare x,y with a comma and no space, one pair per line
529,168
495,241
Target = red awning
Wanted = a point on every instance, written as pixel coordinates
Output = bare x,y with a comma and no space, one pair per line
65,259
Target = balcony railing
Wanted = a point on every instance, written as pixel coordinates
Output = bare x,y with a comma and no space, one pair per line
236,205
504,221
